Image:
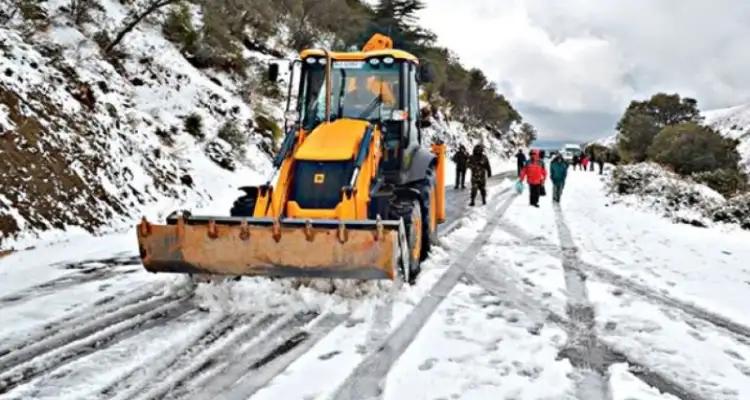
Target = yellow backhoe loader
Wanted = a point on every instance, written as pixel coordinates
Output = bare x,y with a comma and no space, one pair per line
354,193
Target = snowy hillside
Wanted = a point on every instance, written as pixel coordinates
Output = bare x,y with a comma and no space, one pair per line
734,122
92,144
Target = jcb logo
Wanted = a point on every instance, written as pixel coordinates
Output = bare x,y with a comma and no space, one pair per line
319,178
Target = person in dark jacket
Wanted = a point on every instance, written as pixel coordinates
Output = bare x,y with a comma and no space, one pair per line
600,161
535,174
461,158
520,161
480,171
558,173
576,161
592,161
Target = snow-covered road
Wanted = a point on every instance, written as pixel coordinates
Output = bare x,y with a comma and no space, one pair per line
589,300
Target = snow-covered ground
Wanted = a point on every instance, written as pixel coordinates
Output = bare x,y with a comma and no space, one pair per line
586,301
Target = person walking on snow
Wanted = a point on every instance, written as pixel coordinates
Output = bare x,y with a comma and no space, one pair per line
480,171
600,161
584,162
461,158
535,174
558,172
592,161
520,161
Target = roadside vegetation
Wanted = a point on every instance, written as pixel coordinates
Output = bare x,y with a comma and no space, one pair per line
668,154
467,95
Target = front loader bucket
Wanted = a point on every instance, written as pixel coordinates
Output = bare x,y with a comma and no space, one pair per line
264,247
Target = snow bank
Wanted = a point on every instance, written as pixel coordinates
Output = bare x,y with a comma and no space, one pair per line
649,185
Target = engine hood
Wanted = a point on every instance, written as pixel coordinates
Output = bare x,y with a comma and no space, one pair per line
333,141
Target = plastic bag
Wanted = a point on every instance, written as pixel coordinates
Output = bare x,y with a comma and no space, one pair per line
542,191
519,187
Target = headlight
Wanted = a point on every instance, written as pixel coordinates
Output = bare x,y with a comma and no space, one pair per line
322,61
310,60
374,61
388,60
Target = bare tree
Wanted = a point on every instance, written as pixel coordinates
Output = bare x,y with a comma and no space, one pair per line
135,18
79,9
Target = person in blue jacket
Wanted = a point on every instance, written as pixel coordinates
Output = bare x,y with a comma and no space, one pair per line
558,174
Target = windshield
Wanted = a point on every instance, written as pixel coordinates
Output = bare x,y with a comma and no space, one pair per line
359,90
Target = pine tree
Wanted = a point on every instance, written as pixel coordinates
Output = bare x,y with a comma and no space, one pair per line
398,19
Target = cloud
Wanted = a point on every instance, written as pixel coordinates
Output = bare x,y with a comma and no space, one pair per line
591,57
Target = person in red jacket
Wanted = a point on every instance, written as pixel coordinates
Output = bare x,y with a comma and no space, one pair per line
535,174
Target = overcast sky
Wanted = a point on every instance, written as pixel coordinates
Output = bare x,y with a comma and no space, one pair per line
571,67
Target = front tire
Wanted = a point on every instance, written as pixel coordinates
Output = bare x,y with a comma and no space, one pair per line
244,206
409,211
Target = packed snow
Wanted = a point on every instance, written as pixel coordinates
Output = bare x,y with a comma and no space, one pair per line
668,301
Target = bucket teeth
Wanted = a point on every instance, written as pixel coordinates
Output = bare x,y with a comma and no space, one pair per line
244,230
212,231
341,233
379,228
276,230
309,231
144,227
180,227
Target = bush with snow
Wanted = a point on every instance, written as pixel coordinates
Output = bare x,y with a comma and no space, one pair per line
735,211
652,186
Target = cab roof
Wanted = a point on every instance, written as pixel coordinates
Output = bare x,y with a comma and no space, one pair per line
361,55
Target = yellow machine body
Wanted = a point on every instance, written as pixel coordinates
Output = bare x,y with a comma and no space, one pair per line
282,238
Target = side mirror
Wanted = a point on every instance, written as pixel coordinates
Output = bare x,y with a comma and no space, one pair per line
273,72
426,73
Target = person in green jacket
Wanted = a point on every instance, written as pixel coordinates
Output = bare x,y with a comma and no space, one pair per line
558,173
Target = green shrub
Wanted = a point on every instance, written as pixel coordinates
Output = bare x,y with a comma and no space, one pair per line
689,148
194,125
178,27
32,11
726,181
643,120
230,133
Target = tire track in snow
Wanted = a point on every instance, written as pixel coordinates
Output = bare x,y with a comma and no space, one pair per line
86,271
502,283
589,352
64,282
456,209
106,311
218,370
367,379
156,367
739,331
583,348
25,364
201,356
264,370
